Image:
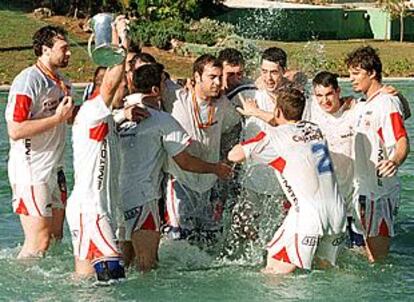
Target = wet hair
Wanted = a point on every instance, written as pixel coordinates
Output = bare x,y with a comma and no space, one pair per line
202,61
232,56
148,76
46,36
275,55
326,79
292,103
135,48
366,58
143,57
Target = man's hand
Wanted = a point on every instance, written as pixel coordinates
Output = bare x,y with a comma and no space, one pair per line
387,168
250,107
136,113
64,109
223,171
120,28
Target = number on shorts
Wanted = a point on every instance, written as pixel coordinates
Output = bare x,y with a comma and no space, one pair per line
322,152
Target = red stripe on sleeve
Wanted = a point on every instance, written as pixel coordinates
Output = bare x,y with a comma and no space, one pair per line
380,134
99,132
22,108
278,164
255,139
398,126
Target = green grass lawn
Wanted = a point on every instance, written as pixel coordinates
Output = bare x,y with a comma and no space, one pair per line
17,28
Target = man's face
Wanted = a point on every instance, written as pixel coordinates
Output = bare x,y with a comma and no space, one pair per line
360,78
210,81
272,75
232,76
129,68
328,98
59,53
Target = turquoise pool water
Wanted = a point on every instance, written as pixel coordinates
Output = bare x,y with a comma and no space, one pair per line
188,274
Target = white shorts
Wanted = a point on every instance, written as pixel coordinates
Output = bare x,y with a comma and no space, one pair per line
375,217
189,209
145,217
38,200
92,237
300,249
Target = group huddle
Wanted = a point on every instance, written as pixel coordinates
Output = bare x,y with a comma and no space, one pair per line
151,154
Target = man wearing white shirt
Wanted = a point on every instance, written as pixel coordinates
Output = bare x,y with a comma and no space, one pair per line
205,115
145,147
38,107
381,146
92,204
313,230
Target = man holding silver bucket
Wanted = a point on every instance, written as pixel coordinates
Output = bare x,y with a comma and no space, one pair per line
92,205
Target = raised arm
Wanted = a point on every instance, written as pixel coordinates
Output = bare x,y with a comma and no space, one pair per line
250,108
114,74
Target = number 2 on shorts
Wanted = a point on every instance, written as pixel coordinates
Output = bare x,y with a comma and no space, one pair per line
324,165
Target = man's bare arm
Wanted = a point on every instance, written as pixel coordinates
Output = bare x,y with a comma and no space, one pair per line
114,74
32,127
236,154
250,108
388,168
191,163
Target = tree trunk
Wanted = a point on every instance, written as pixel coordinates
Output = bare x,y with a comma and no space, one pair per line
386,26
401,27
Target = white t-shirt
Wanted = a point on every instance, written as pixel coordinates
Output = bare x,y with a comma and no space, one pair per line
258,176
205,143
94,165
299,155
378,127
144,149
34,160
338,130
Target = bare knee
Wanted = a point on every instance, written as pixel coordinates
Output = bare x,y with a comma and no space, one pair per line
278,267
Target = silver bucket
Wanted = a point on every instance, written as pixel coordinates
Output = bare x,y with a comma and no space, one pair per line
105,53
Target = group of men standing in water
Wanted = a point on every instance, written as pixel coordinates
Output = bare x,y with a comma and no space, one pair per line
141,140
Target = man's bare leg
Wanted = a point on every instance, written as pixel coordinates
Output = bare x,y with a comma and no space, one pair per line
377,248
37,232
84,268
128,253
145,243
57,223
278,267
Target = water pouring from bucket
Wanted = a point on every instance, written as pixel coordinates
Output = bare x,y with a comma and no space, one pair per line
105,53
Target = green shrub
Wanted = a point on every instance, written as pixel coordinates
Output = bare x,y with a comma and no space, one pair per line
207,31
157,33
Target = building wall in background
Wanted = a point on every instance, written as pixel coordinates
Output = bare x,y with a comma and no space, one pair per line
302,24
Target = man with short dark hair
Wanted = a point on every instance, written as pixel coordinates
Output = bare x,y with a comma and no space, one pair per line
92,204
313,230
258,182
233,69
145,147
381,146
205,115
38,107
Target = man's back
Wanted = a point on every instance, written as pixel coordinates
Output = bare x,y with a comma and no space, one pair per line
299,154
